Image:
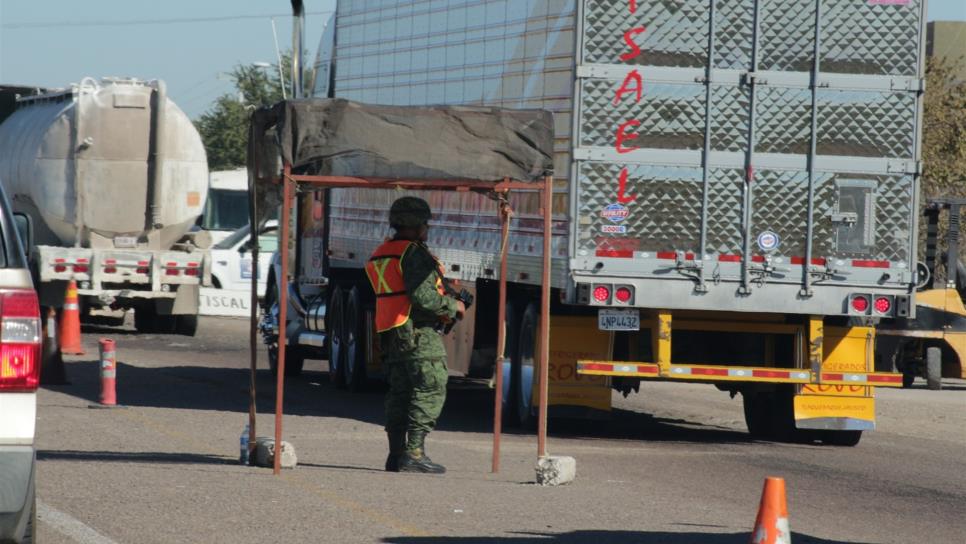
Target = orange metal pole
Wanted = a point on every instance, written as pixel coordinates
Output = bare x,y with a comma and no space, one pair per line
282,315
253,333
545,318
500,341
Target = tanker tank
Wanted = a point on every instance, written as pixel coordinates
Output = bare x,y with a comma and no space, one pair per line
104,164
112,176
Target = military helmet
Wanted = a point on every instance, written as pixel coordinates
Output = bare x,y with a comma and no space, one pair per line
409,211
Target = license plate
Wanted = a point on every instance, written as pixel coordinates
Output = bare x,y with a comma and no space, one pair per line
619,320
125,242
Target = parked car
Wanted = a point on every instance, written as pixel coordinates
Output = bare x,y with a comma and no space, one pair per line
20,352
232,266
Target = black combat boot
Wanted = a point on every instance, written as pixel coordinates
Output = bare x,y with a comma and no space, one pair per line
415,459
397,449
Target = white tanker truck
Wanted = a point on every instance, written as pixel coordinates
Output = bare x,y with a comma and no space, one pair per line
112,176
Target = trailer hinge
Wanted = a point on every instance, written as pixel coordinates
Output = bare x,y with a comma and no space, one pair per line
908,84
753,78
904,167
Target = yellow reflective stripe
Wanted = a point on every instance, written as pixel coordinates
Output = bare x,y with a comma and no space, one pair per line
382,286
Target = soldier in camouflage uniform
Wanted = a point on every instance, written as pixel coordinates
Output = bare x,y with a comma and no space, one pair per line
410,304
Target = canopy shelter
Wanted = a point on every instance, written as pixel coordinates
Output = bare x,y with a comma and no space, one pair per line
312,144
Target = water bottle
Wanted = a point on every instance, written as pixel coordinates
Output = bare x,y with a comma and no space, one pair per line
243,446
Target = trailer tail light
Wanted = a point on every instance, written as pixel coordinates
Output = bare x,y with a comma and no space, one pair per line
883,305
624,294
19,341
602,294
81,266
60,266
143,267
859,304
171,269
110,266
193,270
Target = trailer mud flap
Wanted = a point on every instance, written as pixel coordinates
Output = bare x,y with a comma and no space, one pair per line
833,412
849,406
573,338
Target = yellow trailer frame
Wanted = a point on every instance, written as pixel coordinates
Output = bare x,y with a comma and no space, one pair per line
833,371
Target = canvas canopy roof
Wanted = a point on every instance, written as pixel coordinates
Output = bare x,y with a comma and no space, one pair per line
335,137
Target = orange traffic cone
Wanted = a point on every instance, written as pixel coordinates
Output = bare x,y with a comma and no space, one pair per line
771,525
70,335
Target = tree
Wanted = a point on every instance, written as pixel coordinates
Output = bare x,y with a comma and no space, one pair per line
224,126
944,132
943,144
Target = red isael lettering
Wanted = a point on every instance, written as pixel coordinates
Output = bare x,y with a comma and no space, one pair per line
622,189
629,40
623,136
632,4
638,88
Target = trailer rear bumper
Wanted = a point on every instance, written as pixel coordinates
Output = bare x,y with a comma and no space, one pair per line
718,373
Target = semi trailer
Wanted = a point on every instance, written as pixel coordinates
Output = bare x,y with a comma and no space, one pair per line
736,186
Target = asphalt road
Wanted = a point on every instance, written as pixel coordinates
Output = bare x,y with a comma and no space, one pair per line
673,466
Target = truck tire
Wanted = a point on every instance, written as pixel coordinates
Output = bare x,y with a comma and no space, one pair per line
186,325
335,323
524,367
294,361
846,439
908,376
355,341
934,368
771,416
757,409
148,321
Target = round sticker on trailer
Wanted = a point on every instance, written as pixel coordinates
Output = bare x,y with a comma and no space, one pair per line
768,241
615,213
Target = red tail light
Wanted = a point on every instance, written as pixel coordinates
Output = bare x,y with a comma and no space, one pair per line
19,341
860,304
882,305
601,293
623,294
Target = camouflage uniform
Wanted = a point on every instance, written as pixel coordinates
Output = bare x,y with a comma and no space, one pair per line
413,353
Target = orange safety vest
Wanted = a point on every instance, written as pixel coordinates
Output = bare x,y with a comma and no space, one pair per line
384,270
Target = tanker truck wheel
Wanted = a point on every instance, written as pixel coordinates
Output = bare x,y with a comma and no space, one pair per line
145,319
186,325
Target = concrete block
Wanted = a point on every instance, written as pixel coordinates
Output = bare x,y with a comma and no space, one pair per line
265,453
556,470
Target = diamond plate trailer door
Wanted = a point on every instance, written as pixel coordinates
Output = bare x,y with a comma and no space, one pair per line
718,165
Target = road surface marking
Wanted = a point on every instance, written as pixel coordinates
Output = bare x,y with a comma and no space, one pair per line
70,526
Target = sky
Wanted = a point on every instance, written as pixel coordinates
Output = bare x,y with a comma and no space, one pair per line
55,42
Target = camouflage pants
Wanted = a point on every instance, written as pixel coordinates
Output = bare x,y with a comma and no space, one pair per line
417,390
